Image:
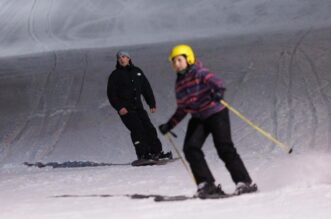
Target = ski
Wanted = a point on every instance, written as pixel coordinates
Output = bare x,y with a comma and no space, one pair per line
73,164
247,190
76,164
184,197
151,162
155,197
132,196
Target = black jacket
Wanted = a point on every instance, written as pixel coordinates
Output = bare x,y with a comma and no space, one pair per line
125,87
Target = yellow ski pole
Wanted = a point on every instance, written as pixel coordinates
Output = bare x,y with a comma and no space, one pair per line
180,156
285,147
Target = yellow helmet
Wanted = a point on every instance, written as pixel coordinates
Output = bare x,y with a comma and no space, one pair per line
183,50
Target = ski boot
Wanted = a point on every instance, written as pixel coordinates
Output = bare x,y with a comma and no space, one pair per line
208,190
143,160
162,156
242,188
165,156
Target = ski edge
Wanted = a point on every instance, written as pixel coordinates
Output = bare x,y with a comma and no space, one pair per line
155,162
185,197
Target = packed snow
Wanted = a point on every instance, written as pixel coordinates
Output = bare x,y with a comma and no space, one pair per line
44,25
274,58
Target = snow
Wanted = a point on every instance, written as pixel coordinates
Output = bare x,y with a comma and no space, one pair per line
289,188
54,106
34,26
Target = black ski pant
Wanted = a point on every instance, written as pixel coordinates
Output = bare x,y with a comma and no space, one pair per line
143,133
197,132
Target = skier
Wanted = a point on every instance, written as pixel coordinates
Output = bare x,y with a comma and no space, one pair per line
126,84
199,92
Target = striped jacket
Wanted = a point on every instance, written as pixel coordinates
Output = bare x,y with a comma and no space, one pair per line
194,90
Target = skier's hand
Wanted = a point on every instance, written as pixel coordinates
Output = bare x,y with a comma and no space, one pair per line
164,128
152,110
123,111
217,96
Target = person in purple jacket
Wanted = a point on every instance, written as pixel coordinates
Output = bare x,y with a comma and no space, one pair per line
199,92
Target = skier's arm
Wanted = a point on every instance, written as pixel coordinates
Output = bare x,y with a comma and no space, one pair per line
178,116
112,94
214,83
147,92
173,121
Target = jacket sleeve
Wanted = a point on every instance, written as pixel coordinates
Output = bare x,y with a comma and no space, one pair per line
213,82
178,116
112,93
147,92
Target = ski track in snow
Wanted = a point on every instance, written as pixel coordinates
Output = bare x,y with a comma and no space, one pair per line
290,123
324,96
31,23
288,197
75,24
276,99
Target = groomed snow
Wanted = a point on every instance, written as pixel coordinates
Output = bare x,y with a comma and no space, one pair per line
46,25
54,108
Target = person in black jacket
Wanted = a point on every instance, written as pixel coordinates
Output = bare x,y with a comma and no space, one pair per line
126,84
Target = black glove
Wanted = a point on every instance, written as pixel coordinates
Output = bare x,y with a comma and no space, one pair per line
217,96
164,128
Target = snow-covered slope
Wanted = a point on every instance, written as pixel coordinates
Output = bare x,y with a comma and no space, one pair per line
41,25
54,107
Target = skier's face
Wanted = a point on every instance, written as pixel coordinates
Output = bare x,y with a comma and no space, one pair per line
123,60
179,63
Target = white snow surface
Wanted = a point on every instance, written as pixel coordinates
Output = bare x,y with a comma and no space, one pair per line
44,25
273,55
290,187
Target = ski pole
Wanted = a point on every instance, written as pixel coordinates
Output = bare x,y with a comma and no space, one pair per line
285,147
179,154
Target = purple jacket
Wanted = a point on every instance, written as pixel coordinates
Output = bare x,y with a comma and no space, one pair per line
193,94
